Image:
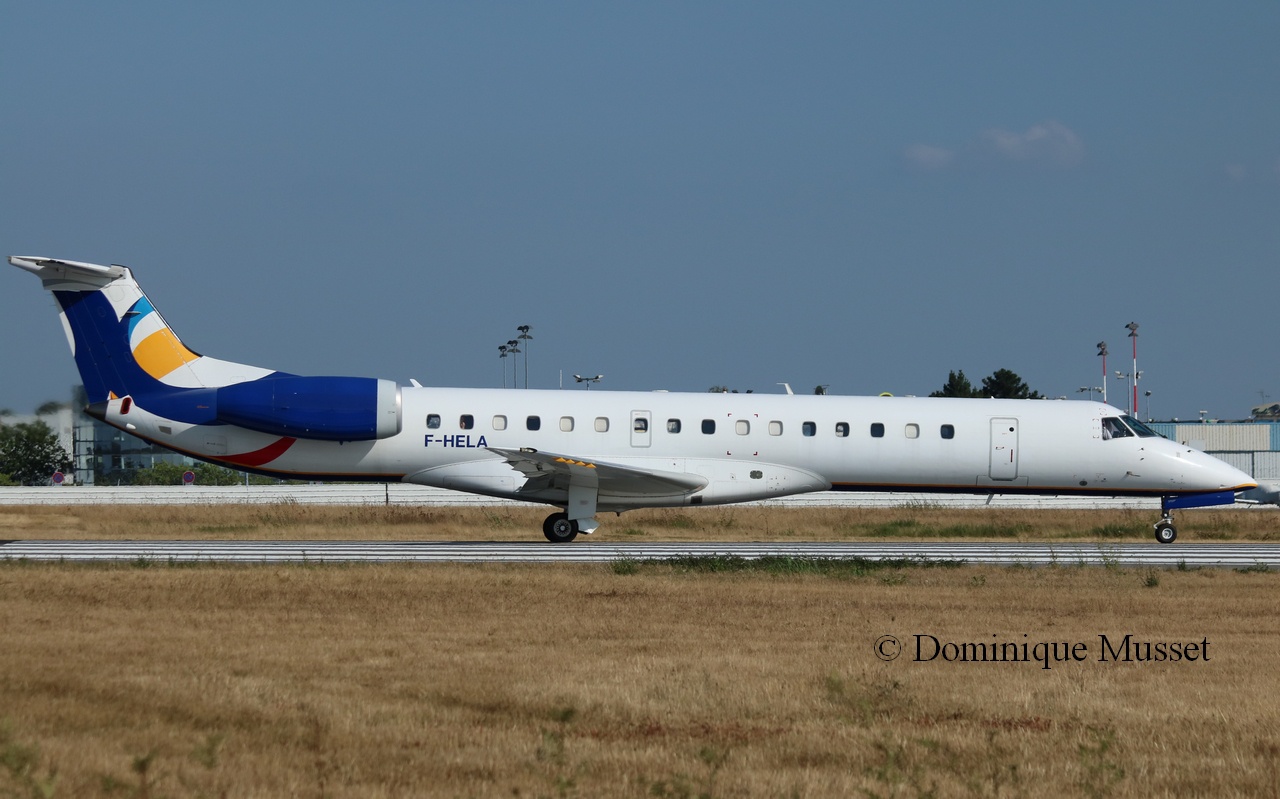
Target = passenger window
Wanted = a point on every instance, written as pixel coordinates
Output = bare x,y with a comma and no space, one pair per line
948,431
742,427
912,430
566,424
641,425
808,429
466,421
842,429
775,428
708,426
499,422
602,424
673,425
533,423
877,430
433,421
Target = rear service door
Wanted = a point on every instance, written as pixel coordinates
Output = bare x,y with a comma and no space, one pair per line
1004,449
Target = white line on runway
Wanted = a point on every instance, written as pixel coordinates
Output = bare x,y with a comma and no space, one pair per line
1009,554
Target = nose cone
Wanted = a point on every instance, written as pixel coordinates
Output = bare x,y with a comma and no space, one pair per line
1203,472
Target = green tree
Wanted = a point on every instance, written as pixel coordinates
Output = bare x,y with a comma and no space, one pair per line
957,385
207,474
30,453
1004,384
160,474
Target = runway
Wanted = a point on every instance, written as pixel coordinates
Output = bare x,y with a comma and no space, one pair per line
1005,554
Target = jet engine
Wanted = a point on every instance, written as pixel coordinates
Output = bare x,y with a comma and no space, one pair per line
326,408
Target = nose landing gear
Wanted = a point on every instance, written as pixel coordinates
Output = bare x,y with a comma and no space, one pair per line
1165,531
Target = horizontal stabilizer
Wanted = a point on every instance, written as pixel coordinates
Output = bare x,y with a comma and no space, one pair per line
59,275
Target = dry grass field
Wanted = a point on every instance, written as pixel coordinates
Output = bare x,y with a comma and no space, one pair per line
634,679
731,523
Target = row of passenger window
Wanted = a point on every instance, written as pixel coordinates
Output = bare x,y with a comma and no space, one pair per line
641,425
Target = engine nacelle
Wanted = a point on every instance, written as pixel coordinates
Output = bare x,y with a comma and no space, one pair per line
327,408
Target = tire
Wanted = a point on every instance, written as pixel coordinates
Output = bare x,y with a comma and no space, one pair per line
1166,533
559,528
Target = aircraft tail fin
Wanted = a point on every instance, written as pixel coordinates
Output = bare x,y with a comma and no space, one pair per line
121,344
128,356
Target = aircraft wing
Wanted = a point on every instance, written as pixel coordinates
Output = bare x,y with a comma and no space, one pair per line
550,470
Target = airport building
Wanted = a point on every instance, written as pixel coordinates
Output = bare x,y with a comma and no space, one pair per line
101,454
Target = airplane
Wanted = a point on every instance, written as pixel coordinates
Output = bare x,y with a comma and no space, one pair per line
587,453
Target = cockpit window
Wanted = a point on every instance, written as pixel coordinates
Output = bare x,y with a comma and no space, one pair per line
1141,429
1112,427
1125,426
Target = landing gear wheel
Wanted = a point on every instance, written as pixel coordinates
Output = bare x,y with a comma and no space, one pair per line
1166,532
559,528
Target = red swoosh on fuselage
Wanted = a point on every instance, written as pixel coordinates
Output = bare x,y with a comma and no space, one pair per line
261,456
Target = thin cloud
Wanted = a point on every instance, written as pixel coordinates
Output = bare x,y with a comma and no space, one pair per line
928,157
1252,173
1048,143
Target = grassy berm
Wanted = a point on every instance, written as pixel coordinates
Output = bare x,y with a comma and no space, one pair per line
675,679
730,523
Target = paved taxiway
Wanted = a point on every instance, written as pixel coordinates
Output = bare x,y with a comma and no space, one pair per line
1008,554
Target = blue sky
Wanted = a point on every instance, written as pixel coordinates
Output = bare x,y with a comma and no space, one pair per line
676,195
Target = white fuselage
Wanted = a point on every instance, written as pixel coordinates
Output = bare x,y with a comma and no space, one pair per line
744,446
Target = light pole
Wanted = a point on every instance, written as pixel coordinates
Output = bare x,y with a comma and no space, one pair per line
1102,353
588,380
502,354
1132,327
513,348
1090,389
1135,376
1147,394
526,338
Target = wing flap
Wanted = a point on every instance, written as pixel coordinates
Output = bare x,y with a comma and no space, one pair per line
545,470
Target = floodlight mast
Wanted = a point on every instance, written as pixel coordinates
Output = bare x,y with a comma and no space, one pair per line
526,338
1132,327
513,348
1102,353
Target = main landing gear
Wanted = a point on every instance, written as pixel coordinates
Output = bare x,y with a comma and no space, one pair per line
559,528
